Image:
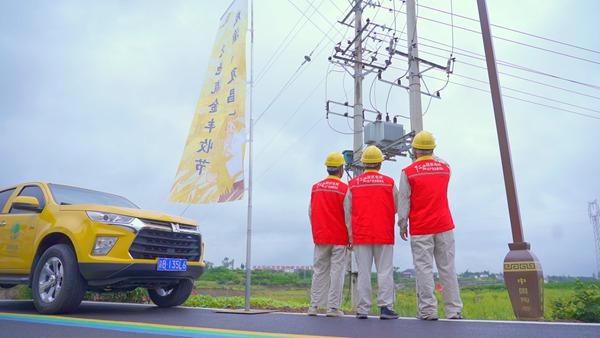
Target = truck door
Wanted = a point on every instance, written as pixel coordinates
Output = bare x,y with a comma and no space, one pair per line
4,228
20,227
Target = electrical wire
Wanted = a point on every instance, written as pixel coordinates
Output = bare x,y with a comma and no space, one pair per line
323,16
517,42
508,64
513,41
529,80
524,100
314,24
514,30
289,148
374,106
452,24
317,86
290,81
268,64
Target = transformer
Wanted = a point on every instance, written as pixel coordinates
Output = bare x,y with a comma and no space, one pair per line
387,136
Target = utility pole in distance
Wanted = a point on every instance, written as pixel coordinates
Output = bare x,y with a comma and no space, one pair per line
414,76
388,136
414,72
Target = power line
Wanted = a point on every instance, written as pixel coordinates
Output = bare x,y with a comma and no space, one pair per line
293,77
291,116
515,31
268,64
289,148
518,91
480,57
514,41
523,100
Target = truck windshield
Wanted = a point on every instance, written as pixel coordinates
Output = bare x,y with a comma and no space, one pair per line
65,195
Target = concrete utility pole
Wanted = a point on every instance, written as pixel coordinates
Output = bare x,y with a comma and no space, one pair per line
358,130
594,213
414,76
358,77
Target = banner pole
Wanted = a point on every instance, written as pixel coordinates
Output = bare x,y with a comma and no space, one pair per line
250,141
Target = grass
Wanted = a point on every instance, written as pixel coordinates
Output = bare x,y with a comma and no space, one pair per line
489,302
480,302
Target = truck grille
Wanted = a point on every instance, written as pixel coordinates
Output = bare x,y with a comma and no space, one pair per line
151,244
167,225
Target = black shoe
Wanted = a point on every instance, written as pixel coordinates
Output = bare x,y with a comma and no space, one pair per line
428,317
361,316
388,314
456,316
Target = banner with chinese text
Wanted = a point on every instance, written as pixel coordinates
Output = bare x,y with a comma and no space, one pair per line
212,166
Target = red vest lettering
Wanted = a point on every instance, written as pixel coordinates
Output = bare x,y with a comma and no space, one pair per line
327,212
429,211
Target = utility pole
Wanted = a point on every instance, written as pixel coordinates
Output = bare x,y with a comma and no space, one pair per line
358,130
594,213
350,57
358,77
414,75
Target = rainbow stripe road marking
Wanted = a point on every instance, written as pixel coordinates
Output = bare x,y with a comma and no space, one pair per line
158,329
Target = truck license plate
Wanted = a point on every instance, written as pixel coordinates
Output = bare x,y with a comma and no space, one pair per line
171,264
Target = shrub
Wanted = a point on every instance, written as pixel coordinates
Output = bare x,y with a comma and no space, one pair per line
139,295
583,306
239,302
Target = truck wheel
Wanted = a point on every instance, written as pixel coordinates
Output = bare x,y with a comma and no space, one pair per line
173,295
58,287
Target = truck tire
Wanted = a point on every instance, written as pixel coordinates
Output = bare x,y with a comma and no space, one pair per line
57,285
171,296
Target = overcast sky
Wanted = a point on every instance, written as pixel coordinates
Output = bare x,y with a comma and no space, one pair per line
101,94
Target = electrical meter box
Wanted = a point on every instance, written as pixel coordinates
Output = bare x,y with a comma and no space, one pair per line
383,134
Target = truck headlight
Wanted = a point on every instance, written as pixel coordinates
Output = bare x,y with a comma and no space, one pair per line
109,218
129,223
103,245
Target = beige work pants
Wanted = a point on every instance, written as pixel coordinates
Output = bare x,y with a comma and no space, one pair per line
329,268
441,247
383,256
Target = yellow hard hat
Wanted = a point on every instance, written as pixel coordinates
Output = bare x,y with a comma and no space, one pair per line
424,140
335,159
372,155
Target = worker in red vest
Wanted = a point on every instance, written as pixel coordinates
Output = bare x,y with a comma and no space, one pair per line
423,208
370,206
330,235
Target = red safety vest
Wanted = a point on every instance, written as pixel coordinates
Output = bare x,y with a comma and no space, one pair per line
327,212
429,211
373,208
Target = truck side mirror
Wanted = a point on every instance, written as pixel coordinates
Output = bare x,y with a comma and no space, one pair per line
28,203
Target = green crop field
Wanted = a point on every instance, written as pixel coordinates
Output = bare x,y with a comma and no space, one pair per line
290,292
481,302
487,302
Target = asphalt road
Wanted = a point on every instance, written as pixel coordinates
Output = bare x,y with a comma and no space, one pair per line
19,319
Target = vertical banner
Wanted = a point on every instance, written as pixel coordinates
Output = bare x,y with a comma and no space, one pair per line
212,166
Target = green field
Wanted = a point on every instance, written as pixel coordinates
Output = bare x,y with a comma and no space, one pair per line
487,302
290,292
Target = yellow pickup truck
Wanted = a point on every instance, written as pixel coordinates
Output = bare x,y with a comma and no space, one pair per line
63,241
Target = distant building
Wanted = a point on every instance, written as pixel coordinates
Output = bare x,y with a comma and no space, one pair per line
408,273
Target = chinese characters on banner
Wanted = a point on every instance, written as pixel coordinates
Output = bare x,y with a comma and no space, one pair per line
212,166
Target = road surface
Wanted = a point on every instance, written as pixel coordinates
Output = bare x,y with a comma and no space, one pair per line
19,319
